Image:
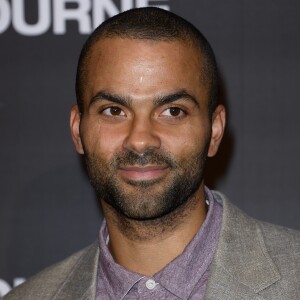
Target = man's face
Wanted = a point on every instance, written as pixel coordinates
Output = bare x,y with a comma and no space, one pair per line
145,129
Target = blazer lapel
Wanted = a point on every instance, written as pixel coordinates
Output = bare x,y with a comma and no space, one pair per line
222,286
82,280
242,266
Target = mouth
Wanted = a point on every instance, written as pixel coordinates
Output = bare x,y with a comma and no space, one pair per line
142,173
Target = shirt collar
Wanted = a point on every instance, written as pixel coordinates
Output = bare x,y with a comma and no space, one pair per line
182,274
118,280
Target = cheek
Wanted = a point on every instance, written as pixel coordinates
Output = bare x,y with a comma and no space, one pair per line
193,139
100,140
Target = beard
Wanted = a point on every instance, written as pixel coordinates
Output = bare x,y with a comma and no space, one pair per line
143,200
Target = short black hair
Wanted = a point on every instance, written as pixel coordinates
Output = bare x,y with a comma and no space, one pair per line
150,23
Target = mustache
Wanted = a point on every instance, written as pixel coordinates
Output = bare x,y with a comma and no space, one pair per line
149,156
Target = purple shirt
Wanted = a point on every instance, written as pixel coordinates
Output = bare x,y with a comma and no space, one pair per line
185,277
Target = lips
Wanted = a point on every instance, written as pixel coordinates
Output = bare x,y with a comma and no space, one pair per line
148,172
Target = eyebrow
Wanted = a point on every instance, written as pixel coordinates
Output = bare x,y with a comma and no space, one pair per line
102,95
158,100
181,94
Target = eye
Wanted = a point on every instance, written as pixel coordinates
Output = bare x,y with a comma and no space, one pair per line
113,111
173,112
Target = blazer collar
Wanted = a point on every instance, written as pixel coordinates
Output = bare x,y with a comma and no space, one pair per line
242,266
82,280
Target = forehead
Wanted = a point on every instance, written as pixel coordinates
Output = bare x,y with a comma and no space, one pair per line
141,68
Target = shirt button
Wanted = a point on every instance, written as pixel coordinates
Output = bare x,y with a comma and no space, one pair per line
150,284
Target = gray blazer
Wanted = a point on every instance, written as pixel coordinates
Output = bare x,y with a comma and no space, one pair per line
254,260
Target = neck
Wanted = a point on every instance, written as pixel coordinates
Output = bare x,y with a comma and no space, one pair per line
146,247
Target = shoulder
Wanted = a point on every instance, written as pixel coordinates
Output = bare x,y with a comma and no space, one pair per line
283,245
260,255
48,282
277,237
275,234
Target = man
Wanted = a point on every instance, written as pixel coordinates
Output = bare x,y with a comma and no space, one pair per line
146,119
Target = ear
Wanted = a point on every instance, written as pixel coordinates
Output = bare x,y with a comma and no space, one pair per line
75,118
217,127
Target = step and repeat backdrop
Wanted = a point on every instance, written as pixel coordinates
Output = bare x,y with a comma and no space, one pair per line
48,209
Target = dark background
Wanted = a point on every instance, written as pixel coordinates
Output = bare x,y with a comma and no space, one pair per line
48,209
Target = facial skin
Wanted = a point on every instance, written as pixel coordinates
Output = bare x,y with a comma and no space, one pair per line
145,129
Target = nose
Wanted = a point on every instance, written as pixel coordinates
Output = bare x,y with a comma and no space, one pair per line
141,136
